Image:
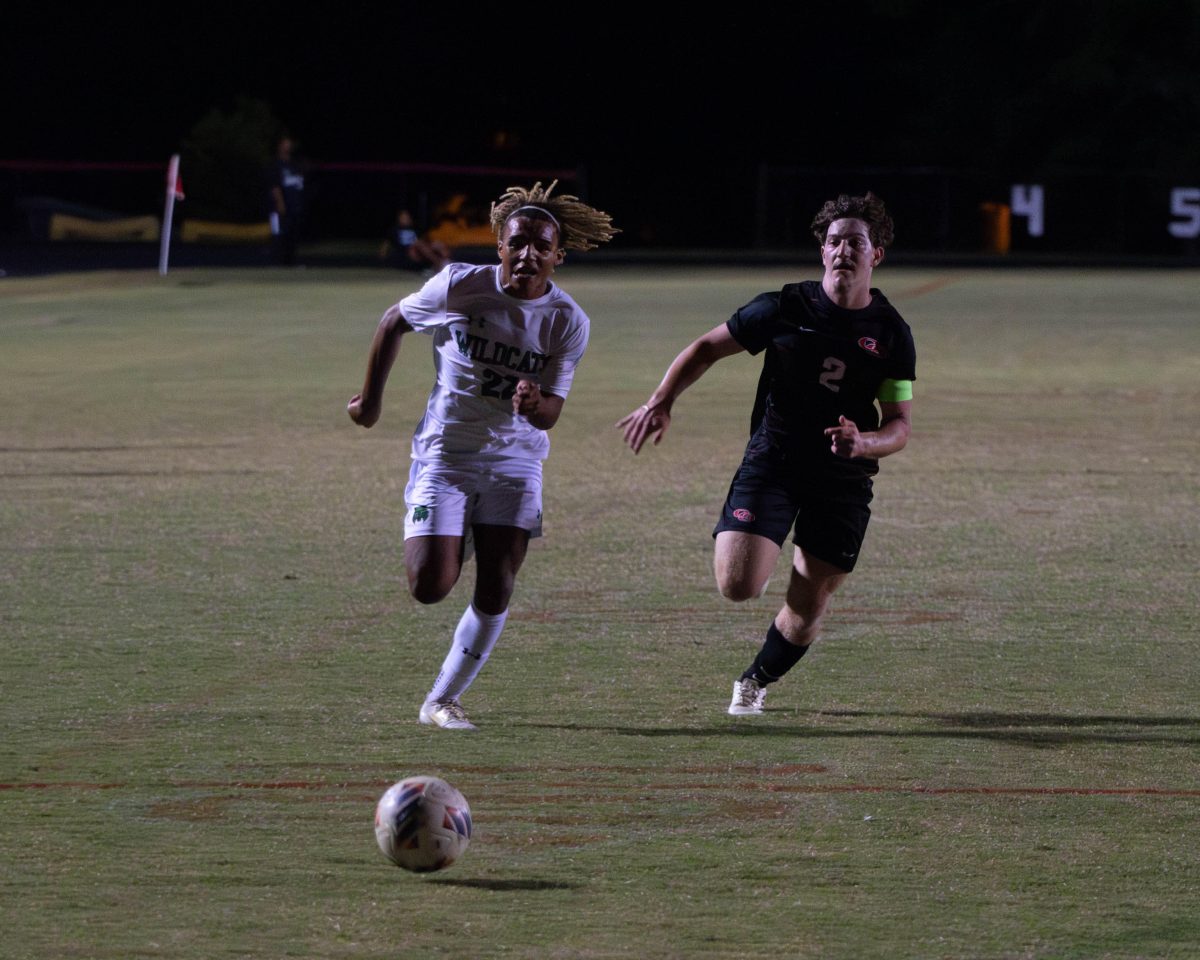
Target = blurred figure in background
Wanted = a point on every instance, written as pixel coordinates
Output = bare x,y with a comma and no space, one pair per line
403,248
286,201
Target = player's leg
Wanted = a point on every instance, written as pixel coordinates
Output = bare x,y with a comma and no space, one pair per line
830,528
811,585
499,553
437,499
755,520
507,512
743,563
433,565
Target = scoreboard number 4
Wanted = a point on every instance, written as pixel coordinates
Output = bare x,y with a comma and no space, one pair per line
1028,200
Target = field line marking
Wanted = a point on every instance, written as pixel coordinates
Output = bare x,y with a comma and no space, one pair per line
912,293
815,788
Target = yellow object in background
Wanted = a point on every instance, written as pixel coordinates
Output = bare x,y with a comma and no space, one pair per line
217,231
65,226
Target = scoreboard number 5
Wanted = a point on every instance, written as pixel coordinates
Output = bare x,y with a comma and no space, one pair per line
1185,205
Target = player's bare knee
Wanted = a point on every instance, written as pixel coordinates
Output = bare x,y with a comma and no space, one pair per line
735,592
739,590
492,597
427,589
427,594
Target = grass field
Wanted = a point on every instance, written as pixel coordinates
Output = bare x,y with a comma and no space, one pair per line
210,668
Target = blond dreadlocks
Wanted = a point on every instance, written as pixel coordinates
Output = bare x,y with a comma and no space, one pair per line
580,227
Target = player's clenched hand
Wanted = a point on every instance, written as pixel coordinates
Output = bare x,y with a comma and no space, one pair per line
644,423
363,415
845,440
526,399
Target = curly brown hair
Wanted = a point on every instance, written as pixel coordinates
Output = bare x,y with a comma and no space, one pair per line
580,227
868,209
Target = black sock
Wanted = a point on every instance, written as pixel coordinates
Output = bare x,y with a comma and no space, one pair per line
776,657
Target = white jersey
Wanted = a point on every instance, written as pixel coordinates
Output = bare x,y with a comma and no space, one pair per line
484,342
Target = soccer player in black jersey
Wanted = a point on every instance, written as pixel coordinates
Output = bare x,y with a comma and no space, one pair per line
835,395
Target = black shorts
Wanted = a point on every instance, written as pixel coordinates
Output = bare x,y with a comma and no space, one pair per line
830,514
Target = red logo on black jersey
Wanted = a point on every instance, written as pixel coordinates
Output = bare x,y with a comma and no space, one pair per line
870,344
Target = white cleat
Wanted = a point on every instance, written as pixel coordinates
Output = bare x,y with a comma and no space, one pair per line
448,714
748,697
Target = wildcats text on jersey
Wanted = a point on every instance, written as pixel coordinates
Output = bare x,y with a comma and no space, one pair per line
497,352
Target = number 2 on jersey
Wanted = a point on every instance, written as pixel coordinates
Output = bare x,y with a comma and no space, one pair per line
499,385
834,369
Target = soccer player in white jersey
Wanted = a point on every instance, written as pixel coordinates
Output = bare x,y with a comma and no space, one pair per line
506,340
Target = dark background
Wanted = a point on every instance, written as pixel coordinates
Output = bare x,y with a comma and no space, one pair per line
670,116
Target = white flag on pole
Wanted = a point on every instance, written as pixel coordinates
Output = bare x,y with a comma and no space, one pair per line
174,192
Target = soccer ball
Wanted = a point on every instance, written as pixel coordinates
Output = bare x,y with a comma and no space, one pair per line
422,824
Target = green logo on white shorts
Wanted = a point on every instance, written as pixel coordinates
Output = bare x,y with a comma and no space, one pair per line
420,514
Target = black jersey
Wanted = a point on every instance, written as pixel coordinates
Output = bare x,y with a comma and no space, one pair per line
822,361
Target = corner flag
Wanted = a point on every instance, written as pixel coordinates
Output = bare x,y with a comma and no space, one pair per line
174,192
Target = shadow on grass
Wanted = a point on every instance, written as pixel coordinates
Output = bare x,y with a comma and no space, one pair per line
991,719
503,885
1029,729
118,448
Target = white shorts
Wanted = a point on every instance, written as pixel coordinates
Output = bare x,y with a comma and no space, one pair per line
447,499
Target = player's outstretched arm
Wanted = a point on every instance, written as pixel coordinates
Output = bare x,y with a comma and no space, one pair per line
364,408
895,426
651,420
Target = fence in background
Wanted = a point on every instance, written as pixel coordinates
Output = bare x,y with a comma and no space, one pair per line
936,209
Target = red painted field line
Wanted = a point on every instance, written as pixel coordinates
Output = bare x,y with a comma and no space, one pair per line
384,166
64,785
79,166
993,791
770,788
341,166
931,287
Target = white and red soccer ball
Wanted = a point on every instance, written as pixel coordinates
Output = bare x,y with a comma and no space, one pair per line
422,824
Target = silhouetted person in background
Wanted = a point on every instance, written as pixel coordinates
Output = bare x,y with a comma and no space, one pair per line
405,248
286,202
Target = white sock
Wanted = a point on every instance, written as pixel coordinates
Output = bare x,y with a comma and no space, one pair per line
474,639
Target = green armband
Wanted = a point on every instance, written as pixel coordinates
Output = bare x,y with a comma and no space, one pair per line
894,391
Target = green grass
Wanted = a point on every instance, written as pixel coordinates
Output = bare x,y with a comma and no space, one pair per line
210,668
